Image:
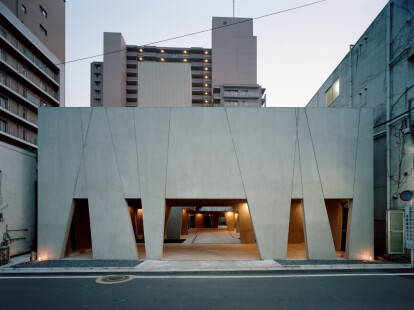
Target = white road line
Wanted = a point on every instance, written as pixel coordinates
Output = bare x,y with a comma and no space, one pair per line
221,277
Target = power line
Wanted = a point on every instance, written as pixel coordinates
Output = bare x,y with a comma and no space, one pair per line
198,32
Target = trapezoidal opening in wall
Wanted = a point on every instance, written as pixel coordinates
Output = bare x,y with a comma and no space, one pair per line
209,229
337,210
79,243
296,248
135,212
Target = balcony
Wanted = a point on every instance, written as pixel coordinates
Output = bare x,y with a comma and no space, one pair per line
18,137
18,70
23,51
19,92
18,115
241,94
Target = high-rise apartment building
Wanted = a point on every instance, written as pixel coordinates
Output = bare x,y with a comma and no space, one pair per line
32,53
32,36
114,82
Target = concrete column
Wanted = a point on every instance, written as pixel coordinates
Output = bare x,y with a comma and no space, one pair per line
246,226
167,216
230,220
184,222
215,220
140,224
199,220
174,223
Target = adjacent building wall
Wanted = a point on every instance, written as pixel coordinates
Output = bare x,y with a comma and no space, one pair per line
265,156
18,197
363,82
114,70
164,84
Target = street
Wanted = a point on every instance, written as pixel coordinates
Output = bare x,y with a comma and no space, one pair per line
269,290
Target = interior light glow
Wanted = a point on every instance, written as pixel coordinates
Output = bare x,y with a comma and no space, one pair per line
162,59
140,58
205,60
206,53
206,77
206,85
162,51
185,60
185,52
205,69
205,93
141,50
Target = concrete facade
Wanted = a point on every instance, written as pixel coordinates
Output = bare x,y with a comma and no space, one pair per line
18,211
164,84
266,157
378,72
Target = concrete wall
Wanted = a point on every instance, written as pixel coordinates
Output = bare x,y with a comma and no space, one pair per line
164,84
234,51
18,197
267,156
363,83
114,70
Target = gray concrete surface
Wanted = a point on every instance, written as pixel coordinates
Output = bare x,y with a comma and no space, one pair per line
183,153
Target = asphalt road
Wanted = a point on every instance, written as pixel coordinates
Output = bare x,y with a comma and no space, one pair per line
278,290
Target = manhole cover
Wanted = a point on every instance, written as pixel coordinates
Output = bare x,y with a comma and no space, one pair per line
114,279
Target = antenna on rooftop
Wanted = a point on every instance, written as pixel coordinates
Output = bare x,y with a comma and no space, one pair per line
233,8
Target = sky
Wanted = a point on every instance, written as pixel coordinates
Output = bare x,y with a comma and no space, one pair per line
296,50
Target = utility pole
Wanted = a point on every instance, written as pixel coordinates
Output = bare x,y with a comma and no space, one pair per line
233,8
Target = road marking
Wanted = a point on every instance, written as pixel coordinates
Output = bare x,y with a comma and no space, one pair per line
220,276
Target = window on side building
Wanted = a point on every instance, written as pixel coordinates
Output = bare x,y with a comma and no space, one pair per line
332,93
43,11
43,30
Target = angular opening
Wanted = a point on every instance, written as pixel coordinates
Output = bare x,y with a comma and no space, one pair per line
135,212
296,249
79,243
337,210
209,229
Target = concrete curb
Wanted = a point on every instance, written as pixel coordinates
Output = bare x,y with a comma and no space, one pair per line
137,270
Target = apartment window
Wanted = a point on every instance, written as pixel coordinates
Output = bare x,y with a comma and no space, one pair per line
24,10
98,67
3,79
4,103
3,56
24,92
43,11
97,92
24,71
97,75
332,93
97,83
97,100
24,113
43,30
43,86
42,104
24,135
3,125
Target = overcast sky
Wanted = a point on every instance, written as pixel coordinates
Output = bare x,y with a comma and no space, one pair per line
297,50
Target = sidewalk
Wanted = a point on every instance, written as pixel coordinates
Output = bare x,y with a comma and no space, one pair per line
19,266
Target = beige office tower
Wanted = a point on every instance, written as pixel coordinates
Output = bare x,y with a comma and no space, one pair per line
116,81
32,48
234,63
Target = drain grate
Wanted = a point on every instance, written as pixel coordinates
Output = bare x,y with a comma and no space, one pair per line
114,279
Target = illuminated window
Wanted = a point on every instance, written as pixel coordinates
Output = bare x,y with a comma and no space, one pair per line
206,85
205,93
205,69
206,77
162,59
162,51
141,50
185,60
140,58
185,52
206,53
332,93
205,60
